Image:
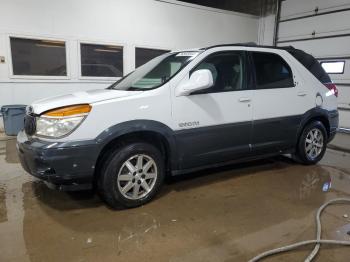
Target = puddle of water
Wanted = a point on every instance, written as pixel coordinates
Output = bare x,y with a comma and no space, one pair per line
215,215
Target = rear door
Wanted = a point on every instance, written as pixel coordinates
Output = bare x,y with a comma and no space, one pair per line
278,103
214,125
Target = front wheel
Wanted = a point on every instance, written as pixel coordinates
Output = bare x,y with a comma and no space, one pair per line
132,175
312,143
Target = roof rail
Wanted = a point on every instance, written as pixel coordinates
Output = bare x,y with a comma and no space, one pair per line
251,44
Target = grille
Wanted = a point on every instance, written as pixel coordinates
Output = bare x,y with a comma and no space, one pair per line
29,125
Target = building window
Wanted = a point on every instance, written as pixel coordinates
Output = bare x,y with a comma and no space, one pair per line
333,67
33,57
143,55
271,71
101,60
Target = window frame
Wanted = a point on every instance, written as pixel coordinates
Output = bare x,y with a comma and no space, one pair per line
253,70
333,61
245,73
38,77
101,78
169,50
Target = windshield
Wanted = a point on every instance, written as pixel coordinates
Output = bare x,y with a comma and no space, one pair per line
154,73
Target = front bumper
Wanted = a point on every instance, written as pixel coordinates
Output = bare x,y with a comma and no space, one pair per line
63,165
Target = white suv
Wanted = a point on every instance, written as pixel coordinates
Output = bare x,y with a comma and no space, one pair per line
180,112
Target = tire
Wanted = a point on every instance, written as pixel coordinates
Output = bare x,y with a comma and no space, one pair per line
312,144
124,180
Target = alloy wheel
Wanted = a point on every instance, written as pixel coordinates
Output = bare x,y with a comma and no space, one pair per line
137,176
314,143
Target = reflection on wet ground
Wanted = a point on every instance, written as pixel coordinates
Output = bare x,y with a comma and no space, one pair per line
3,209
227,214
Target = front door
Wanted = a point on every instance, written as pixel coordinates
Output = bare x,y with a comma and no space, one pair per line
214,125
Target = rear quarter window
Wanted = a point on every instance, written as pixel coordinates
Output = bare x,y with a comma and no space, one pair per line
311,64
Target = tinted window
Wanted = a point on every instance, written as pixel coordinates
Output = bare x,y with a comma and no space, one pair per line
271,71
101,60
143,55
311,64
38,57
227,69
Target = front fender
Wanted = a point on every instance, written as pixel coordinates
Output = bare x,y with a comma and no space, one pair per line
118,130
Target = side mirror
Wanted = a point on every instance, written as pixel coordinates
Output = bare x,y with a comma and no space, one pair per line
199,80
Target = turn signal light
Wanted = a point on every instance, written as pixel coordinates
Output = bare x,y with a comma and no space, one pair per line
69,111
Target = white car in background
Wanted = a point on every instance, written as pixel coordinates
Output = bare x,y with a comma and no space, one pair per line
182,111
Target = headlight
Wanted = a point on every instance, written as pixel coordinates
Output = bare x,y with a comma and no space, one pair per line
62,121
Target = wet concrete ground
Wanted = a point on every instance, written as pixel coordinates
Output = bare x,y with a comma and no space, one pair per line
228,214
341,142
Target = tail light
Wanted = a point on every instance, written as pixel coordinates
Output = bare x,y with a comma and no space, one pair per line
333,88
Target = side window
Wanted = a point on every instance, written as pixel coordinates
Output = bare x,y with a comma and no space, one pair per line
227,69
271,71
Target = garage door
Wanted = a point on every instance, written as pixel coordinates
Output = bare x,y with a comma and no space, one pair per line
322,28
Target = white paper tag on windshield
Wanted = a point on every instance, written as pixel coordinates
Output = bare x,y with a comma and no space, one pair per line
187,54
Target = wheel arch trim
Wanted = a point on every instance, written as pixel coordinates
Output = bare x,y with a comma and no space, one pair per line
316,113
135,126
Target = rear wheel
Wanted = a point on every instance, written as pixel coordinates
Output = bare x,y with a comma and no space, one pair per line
132,175
312,143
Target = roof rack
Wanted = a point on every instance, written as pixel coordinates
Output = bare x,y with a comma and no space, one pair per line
251,44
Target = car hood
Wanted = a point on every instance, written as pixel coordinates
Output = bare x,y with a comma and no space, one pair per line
86,97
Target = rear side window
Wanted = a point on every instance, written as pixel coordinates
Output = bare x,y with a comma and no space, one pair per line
311,64
271,71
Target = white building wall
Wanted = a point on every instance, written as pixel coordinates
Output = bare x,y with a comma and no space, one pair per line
142,23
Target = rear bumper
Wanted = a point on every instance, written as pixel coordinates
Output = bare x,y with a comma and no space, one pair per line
65,166
333,118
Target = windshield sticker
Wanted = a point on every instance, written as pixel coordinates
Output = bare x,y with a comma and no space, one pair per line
187,54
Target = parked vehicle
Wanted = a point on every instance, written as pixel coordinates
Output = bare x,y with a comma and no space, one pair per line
180,112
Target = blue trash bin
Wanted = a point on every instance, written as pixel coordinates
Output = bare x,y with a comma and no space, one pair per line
13,116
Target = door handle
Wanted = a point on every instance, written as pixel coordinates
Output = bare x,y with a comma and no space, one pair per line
302,93
244,99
